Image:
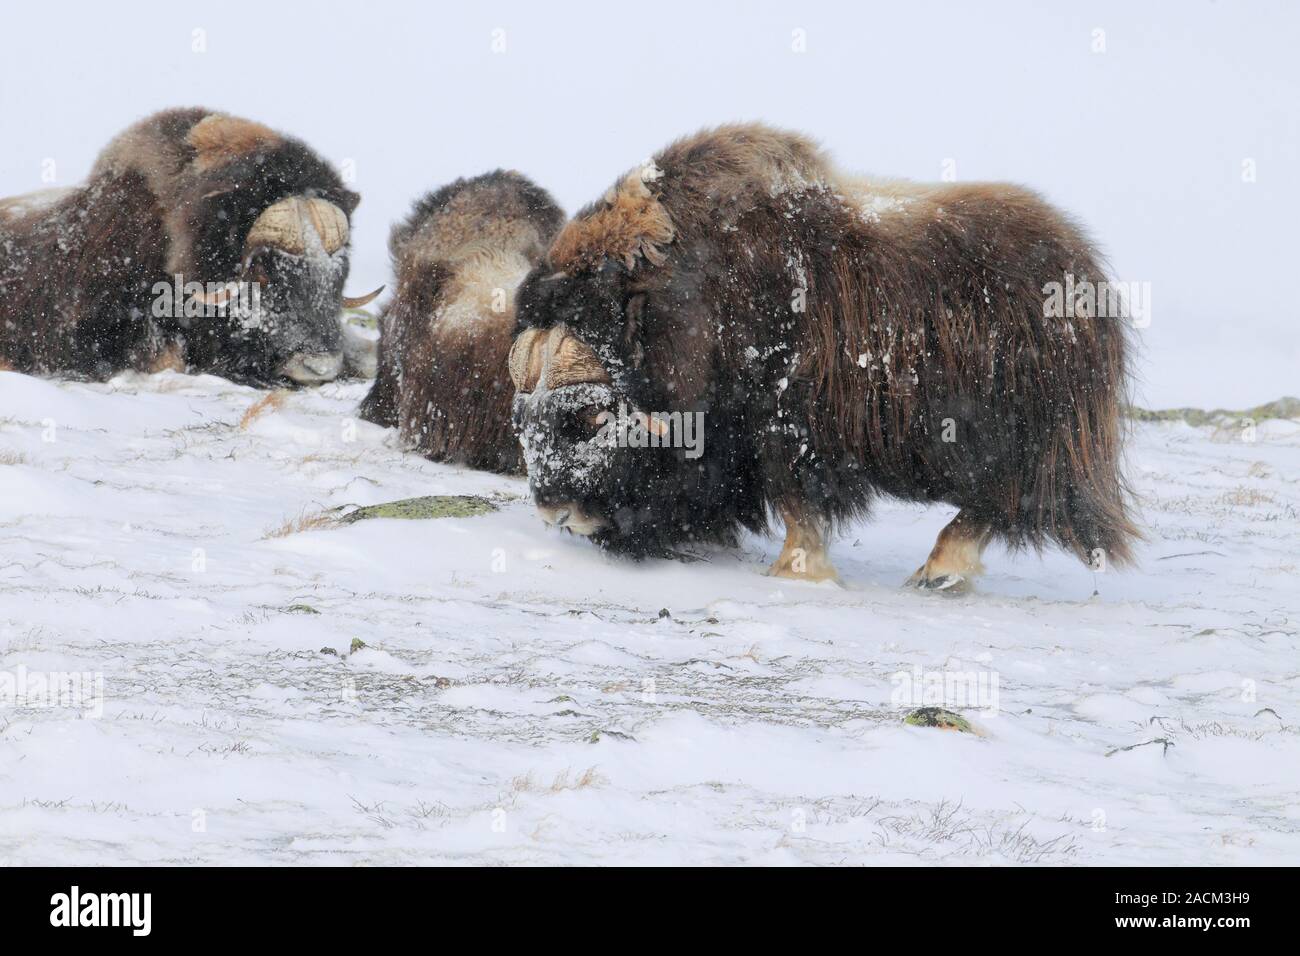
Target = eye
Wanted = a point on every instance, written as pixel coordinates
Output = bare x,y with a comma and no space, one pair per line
583,424
254,270
589,416
634,307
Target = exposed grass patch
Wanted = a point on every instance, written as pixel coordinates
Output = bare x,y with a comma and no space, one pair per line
1246,497
11,457
1287,407
564,780
1164,742
325,458
949,830
428,506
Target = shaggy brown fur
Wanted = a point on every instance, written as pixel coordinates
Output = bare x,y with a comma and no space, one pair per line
631,224
444,338
175,193
220,139
844,338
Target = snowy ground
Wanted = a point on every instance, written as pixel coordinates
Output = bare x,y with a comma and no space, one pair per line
521,699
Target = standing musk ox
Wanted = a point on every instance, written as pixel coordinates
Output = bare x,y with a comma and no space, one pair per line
212,199
444,339
844,338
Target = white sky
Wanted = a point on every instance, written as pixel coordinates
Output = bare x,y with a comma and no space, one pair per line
1144,142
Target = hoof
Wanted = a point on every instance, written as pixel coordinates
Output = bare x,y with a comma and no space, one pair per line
780,570
951,583
804,575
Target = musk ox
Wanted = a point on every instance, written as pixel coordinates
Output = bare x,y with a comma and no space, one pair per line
843,338
200,241
444,338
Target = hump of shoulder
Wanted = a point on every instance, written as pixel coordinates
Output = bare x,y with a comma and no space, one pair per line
163,146
1009,198
498,211
1014,207
742,156
152,146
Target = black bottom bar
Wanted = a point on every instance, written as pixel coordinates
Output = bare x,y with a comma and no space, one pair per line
1223,906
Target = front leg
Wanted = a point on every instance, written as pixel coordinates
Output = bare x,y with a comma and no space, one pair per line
159,349
169,358
955,560
804,556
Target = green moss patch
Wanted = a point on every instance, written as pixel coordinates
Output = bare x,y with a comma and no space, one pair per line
938,717
428,506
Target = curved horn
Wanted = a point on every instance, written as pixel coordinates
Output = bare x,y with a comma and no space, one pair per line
356,302
571,361
554,357
330,223
287,225
526,359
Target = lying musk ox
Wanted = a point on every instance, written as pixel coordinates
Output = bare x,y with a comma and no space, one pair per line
445,336
844,338
208,205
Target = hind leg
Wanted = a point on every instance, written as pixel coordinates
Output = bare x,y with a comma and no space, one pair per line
804,556
955,560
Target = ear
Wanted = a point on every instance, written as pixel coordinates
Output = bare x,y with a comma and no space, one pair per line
633,315
348,201
534,296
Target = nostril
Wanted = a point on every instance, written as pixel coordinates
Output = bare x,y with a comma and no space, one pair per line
313,368
562,517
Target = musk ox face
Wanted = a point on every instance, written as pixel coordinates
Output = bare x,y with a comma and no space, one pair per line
564,397
296,258
610,454
636,483
575,476
293,332
601,468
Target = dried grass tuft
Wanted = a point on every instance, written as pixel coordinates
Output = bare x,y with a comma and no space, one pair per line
303,521
269,402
